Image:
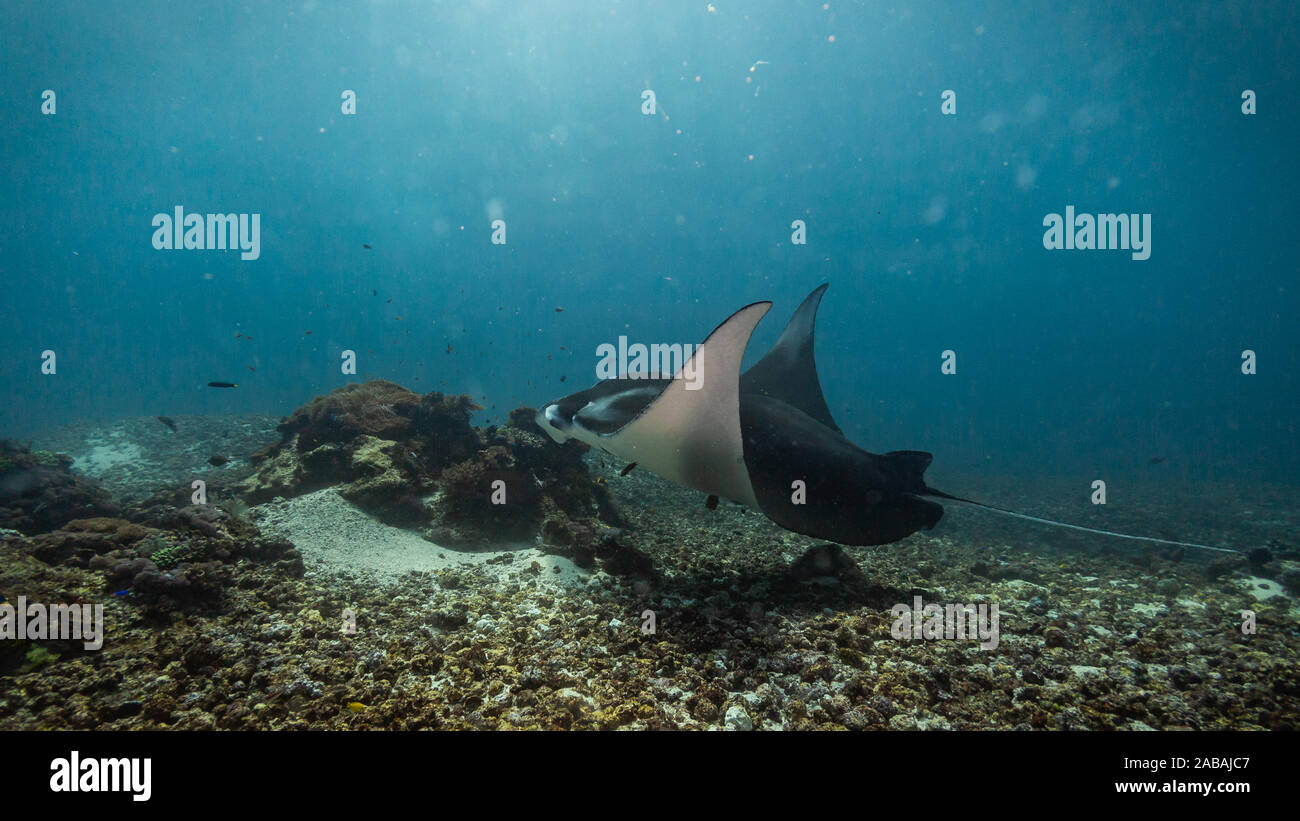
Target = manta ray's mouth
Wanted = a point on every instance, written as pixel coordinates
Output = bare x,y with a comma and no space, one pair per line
552,420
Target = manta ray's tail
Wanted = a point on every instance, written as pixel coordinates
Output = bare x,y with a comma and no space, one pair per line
941,495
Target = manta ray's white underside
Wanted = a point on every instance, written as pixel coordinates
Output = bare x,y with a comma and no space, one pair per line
691,433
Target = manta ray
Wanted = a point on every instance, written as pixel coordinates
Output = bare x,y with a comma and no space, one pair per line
765,438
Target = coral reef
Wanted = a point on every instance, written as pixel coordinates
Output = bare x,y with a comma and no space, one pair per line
376,439
182,559
38,491
416,461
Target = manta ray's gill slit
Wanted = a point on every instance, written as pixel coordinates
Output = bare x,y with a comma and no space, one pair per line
1098,531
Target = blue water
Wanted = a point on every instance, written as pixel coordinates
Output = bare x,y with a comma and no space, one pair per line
928,227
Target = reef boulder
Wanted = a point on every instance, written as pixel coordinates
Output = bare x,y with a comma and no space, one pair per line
416,461
39,492
377,441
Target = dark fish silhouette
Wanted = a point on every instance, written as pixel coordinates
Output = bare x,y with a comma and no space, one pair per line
625,471
1156,460
766,439
217,461
223,385
168,422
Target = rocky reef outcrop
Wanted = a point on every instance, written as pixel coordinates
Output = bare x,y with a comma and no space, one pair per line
416,461
38,491
181,560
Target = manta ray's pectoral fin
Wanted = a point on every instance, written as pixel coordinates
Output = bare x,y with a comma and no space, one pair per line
690,434
788,371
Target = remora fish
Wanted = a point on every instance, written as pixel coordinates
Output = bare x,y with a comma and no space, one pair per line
751,437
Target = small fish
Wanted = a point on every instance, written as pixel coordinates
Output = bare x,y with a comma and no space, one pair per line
600,480
1156,460
625,471
448,347
168,422
223,385
365,245
251,368
712,502
373,292
249,338
559,310
307,334
562,377
122,592
238,336
217,461
356,706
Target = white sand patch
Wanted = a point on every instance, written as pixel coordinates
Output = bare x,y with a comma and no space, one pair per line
1261,589
105,457
335,534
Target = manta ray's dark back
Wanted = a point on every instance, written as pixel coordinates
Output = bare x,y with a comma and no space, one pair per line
810,479
847,495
